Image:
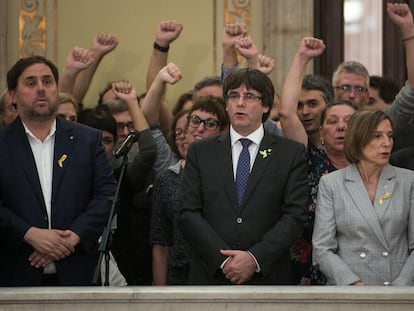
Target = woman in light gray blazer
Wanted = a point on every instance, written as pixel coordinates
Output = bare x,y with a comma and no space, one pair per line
364,225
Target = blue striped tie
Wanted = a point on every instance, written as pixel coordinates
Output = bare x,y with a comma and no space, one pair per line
243,169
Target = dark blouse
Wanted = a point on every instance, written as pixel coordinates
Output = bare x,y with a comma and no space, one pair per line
164,224
301,251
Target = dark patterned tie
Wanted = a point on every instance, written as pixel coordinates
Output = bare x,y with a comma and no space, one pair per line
243,169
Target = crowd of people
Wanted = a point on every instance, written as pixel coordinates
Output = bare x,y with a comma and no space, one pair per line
234,184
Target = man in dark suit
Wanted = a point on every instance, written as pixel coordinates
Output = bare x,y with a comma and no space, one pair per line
55,186
243,236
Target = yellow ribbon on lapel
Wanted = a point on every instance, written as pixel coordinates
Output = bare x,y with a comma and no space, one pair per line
384,197
61,160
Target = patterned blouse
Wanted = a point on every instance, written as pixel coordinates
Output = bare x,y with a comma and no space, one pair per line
164,222
301,251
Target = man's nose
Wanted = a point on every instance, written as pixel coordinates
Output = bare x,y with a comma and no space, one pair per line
125,131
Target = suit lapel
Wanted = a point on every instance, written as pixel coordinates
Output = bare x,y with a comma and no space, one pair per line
262,160
64,142
385,188
356,188
20,148
225,163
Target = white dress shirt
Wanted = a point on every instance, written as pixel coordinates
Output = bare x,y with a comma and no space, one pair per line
236,148
43,155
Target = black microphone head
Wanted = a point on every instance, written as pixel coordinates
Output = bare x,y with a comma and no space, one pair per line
134,135
126,145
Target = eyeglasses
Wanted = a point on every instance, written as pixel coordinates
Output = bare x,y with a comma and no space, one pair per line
247,97
179,134
209,124
348,88
121,125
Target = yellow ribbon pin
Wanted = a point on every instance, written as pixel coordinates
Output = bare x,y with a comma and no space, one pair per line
61,160
384,197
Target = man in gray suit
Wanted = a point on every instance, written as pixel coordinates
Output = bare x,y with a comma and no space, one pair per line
240,229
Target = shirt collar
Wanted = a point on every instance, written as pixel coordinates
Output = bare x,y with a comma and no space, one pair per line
256,136
51,131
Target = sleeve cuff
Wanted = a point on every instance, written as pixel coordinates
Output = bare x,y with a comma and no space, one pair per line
255,260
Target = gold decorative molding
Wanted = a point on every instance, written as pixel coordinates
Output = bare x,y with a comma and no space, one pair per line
32,27
235,11
238,11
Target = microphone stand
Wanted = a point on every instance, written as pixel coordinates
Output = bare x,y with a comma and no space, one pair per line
104,245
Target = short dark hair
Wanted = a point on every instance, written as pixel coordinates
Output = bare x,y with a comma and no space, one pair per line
214,105
14,73
185,97
253,79
3,101
314,82
207,81
387,89
337,103
171,136
99,118
359,132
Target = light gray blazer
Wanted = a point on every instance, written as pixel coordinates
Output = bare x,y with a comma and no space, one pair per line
355,240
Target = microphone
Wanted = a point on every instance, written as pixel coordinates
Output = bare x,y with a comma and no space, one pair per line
126,145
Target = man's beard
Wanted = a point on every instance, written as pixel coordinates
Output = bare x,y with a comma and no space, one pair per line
34,115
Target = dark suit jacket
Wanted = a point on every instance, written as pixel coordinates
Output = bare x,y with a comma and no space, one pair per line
82,187
272,214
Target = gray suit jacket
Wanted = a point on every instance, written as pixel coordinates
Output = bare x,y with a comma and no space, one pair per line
355,240
272,214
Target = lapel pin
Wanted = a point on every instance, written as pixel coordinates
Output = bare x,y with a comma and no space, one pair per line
265,153
61,160
384,197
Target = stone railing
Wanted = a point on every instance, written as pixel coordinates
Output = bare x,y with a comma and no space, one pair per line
200,298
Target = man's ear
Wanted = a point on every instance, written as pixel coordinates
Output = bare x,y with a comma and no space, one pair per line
12,94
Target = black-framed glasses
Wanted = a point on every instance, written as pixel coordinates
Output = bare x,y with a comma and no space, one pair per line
209,124
247,97
121,125
346,88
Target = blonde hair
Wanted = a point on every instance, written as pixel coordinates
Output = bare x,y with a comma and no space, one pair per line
68,98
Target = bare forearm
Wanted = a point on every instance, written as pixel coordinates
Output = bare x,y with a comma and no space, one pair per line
407,34
159,264
152,102
157,61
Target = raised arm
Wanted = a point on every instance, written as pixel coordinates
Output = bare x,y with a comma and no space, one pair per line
167,32
247,49
265,64
102,44
152,102
126,92
231,33
78,59
401,15
139,169
291,125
